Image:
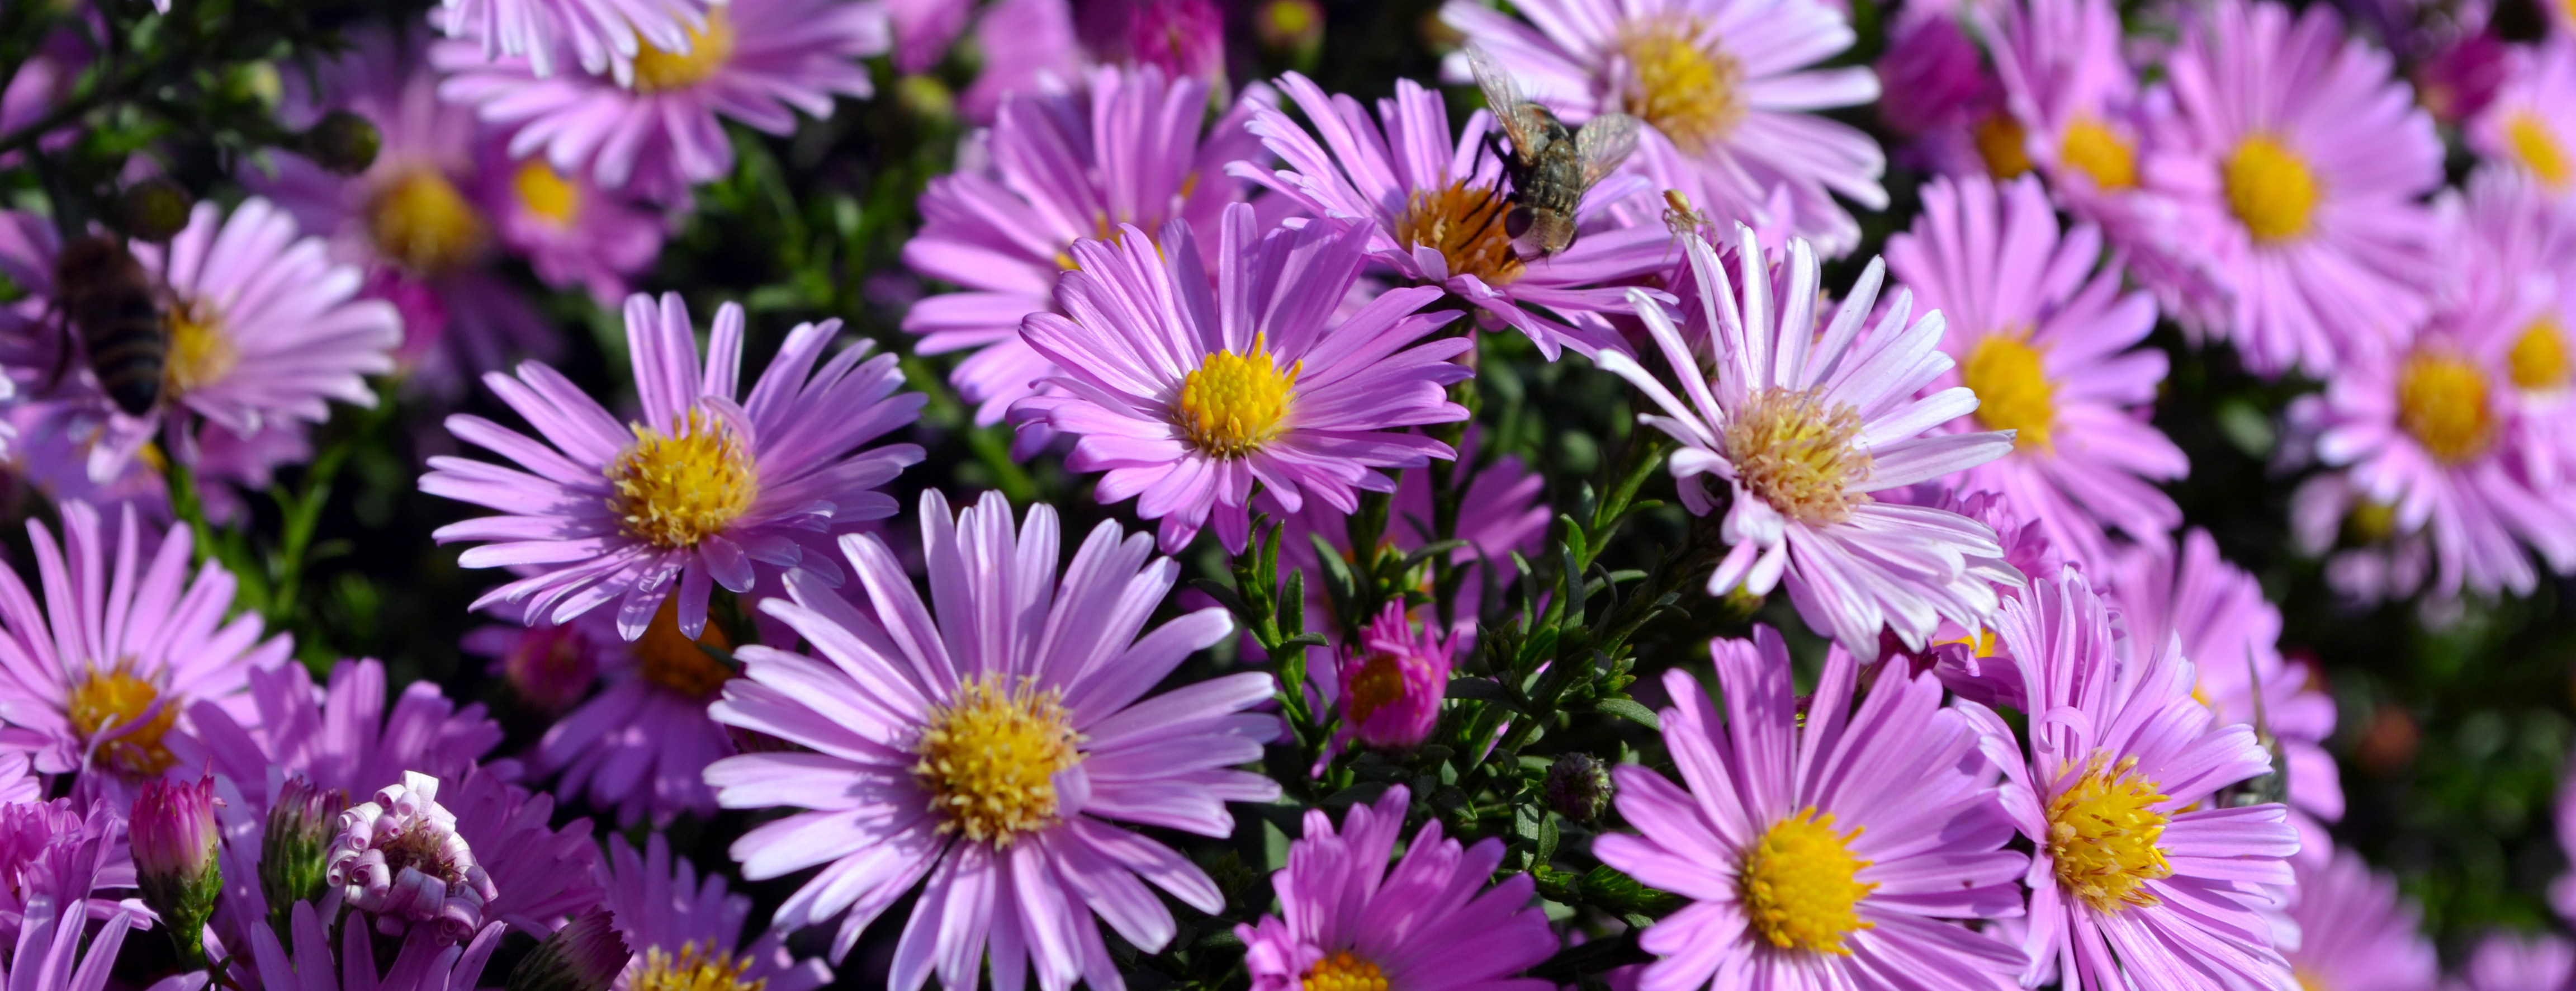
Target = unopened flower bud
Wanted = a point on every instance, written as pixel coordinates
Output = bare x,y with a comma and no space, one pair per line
585,955
1579,788
174,836
549,667
398,858
155,209
1292,28
301,822
342,142
926,99
1182,37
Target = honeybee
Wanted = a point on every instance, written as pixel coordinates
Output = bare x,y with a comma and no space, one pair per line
108,302
1549,168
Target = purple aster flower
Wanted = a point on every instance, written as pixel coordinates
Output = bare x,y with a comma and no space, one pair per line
545,875
41,82
572,232
1127,148
756,62
602,35
1434,204
1940,97
2050,345
2519,962
1430,924
676,926
2531,123
2303,157
49,954
398,858
1803,428
643,743
1027,45
2136,879
1018,856
2355,933
707,488
2457,79
1389,686
924,30
422,963
341,737
1185,402
1823,851
57,856
1180,37
101,680
549,668
2381,564
1725,87
1967,658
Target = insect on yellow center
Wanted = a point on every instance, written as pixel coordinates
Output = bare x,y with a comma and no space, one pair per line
2442,403
1464,224
1689,89
200,350
1344,972
2102,833
2013,390
2270,189
691,970
2538,149
990,757
1798,884
546,193
675,489
1800,456
2001,142
420,220
2539,356
671,659
104,701
709,49
2092,147
1235,403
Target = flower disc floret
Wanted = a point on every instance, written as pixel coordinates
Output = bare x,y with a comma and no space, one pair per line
105,708
1465,224
675,489
1798,885
546,193
2539,356
201,353
2099,152
1800,455
990,758
679,662
1344,972
657,70
2538,150
2012,387
1694,94
691,970
2442,403
2272,190
420,220
2002,143
2102,832
1235,403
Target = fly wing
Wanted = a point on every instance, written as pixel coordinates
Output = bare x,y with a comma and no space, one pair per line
1503,97
1604,142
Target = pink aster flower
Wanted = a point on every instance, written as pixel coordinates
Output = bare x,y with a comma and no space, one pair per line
1390,684
102,678
58,856
1939,96
2367,561
643,743
1429,924
2293,145
1127,148
1823,851
2530,125
572,232
344,736
49,953
2049,344
674,924
756,62
1968,659
1019,857
2355,933
545,874
602,35
1434,207
1186,390
2136,879
399,859
708,487
1802,428
2518,962
1726,88
422,963
1027,44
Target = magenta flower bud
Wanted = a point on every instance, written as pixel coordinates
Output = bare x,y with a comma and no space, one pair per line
301,824
1180,37
174,836
398,858
585,955
1392,686
550,667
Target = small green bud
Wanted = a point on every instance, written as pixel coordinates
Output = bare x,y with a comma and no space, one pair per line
155,209
342,142
925,98
1578,788
301,824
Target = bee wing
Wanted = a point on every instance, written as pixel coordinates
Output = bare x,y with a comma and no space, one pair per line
1503,97
1604,142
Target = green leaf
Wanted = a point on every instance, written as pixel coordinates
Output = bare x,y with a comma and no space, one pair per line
1630,710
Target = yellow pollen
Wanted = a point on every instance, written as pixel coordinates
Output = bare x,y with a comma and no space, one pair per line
2537,148
1692,94
2100,152
709,49
424,224
2539,356
1234,403
546,192
2442,403
672,491
200,351
2102,833
694,971
2000,141
2308,980
104,700
2270,189
1798,887
1800,457
672,660
1379,684
1344,972
1982,641
989,760
1466,226
2013,390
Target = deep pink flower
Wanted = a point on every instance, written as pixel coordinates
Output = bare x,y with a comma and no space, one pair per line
1391,683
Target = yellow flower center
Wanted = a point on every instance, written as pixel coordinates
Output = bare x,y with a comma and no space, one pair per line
693,971
1379,684
200,351
546,192
709,49
1798,456
1234,403
2371,522
2013,390
1466,226
2537,148
670,659
672,491
1344,972
1798,887
2002,143
2308,980
2270,189
2442,402
2103,833
2098,151
2539,356
115,698
989,759
424,224
1692,94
